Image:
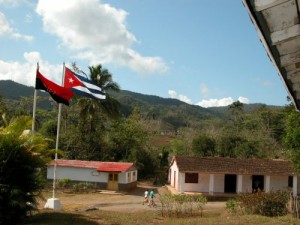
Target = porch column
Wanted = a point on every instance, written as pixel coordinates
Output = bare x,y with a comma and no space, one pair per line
239,183
295,185
211,184
268,184
181,182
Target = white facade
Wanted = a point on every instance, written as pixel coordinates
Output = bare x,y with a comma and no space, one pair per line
88,175
76,174
215,183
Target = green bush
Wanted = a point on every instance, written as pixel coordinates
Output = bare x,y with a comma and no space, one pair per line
82,187
181,205
232,206
63,183
267,204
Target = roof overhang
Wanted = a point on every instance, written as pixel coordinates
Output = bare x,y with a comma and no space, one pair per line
277,23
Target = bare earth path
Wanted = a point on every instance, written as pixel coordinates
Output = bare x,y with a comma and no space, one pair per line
115,201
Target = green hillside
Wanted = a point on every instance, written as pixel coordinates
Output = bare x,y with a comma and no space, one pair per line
171,112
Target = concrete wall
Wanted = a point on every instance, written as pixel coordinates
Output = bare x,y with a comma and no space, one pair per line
89,175
77,174
173,170
278,182
247,183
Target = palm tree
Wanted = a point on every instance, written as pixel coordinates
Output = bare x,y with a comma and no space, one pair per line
22,156
236,109
91,107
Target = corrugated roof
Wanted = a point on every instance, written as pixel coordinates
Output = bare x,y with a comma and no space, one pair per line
99,166
223,165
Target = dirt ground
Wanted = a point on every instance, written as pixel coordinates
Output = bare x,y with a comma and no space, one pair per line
115,201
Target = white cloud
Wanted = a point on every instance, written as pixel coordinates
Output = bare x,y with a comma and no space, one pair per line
97,32
215,102
6,29
221,102
244,100
183,98
25,73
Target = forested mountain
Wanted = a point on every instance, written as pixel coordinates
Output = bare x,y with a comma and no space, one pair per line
171,111
12,90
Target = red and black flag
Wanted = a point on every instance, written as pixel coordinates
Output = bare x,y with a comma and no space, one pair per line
58,93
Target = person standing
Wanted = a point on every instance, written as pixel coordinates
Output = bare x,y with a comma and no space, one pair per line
151,203
146,197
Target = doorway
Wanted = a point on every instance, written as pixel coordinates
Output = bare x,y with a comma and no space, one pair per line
230,183
257,183
112,183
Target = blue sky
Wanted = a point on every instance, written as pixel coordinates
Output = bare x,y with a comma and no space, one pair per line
202,52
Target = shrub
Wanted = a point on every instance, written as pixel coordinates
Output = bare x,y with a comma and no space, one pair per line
63,183
267,204
82,187
181,205
232,206
20,180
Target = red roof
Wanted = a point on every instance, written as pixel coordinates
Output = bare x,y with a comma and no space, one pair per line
115,167
100,166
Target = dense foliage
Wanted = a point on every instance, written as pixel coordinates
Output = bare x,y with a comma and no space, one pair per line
22,160
266,204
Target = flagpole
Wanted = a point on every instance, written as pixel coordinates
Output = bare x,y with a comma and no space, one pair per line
54,203
34,106
57,138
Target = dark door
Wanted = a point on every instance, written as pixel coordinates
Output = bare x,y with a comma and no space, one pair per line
230,183
257,183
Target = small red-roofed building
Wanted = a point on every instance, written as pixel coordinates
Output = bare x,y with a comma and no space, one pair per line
117,176
223,175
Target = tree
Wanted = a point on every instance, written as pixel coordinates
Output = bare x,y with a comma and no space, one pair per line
236,109
204,145
228,144
83,137
127,137
90,107
292,137
22,156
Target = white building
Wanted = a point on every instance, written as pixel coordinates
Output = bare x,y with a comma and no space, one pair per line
220,175
105,175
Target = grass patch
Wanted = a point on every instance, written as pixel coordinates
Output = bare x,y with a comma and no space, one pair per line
46,217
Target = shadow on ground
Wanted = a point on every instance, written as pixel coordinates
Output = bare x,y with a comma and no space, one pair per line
61,218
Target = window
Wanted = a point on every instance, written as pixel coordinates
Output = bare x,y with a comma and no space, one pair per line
290,181
129,177
191,178
113,177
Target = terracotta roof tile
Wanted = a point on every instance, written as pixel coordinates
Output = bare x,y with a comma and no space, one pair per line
115,167
233,165
99,166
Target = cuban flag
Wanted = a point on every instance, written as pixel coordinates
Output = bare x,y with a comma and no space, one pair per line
82,86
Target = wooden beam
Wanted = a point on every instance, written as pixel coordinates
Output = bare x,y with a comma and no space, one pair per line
265,4
296,87
285,34
292,73
295,78
290,59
